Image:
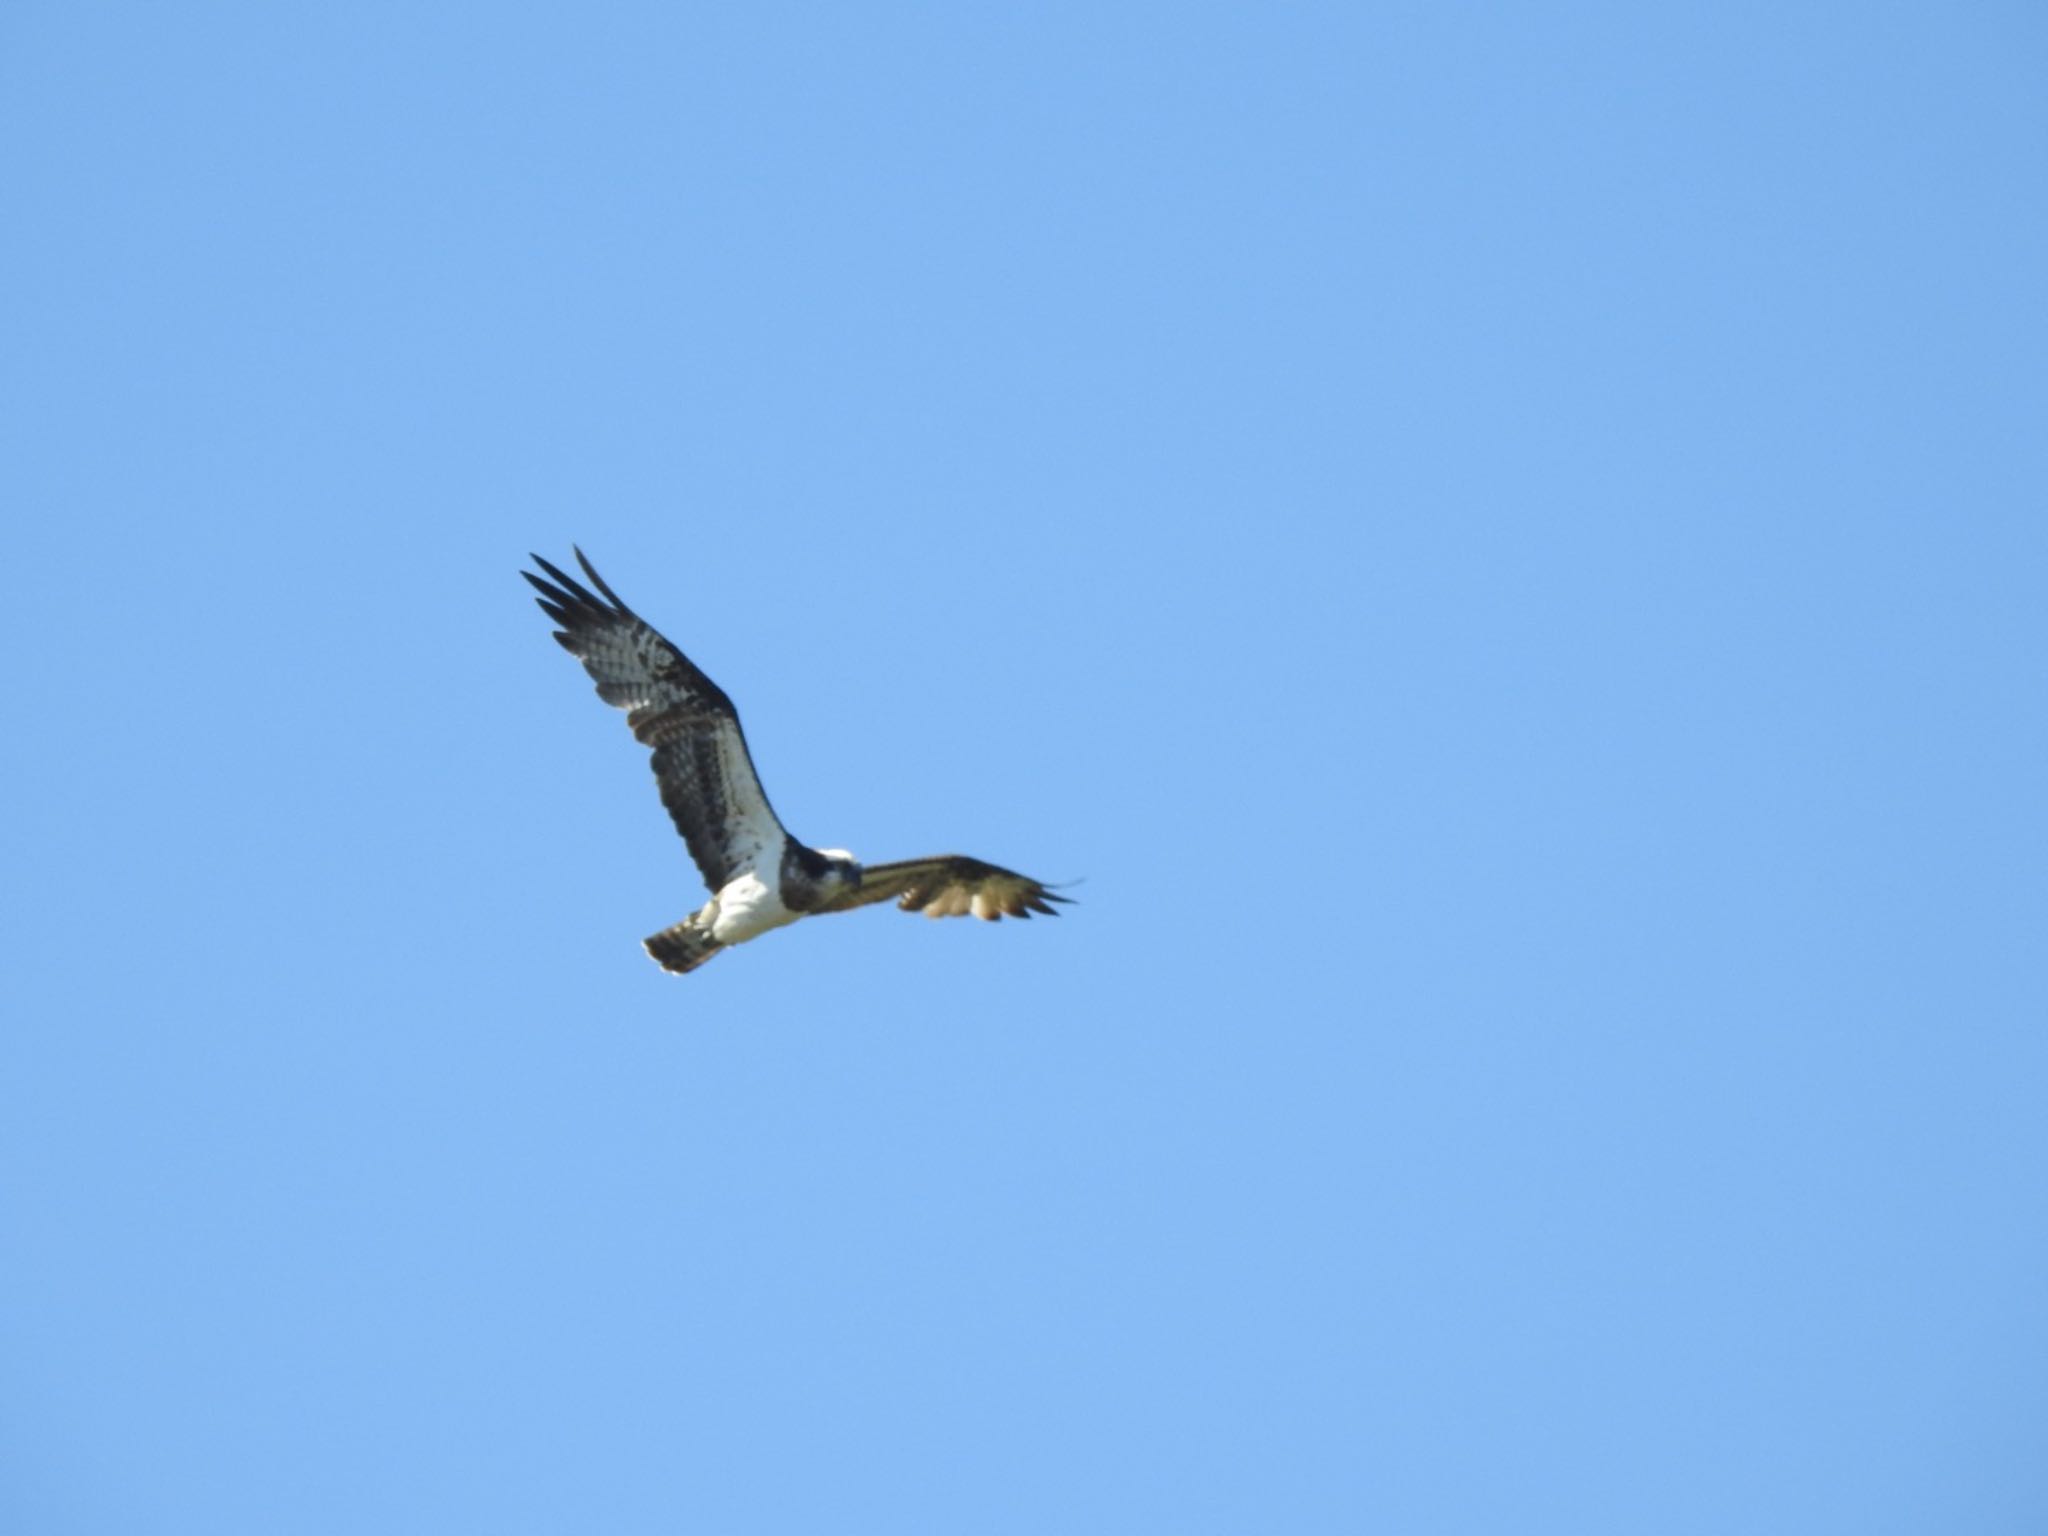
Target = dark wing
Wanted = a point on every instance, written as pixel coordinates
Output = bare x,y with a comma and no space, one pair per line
951,885
701,762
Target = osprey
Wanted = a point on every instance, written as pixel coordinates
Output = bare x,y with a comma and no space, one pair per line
759,876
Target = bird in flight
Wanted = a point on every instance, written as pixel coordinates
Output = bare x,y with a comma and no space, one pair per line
759,876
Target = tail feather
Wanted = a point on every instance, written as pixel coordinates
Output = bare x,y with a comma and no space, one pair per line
682,948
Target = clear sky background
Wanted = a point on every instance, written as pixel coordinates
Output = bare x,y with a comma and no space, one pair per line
1507,545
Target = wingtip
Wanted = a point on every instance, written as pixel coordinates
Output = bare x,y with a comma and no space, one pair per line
554,573
571,593
597,580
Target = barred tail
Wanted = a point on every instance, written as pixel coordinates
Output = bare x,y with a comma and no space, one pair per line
682,948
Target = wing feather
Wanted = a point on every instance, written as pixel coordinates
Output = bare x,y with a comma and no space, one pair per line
953,885
701,762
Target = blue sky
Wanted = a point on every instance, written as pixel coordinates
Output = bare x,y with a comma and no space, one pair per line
1505,545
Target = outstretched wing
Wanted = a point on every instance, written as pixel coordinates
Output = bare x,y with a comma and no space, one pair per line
701,762
951,885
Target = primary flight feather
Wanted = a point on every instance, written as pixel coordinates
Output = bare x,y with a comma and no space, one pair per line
759,876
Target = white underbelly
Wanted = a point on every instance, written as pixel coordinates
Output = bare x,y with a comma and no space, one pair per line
748,907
